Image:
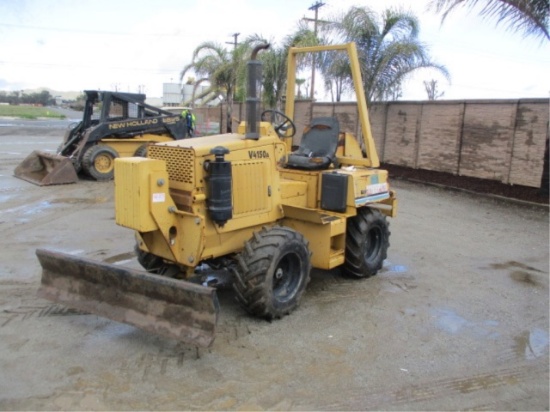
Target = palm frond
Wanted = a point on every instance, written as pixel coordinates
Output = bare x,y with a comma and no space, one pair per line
528,16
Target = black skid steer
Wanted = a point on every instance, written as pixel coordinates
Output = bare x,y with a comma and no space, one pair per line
113,125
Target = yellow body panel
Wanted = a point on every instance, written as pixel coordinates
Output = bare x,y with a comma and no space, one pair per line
311,179
294,192
349,152
132,203
127,147
179,215
325,232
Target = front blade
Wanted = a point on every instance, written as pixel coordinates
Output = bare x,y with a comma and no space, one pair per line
164,306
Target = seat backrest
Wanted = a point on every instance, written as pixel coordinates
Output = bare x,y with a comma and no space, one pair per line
320,139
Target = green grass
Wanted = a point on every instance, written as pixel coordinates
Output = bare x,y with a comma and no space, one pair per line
29,112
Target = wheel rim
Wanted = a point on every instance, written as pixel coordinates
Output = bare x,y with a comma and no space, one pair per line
286,277
373,243
103,163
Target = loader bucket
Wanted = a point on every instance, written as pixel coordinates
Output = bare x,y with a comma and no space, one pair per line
157,304
45,169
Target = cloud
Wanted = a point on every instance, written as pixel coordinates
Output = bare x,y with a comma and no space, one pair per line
69,45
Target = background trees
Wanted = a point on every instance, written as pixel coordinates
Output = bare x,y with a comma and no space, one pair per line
275,65
224,69
388,47
43,98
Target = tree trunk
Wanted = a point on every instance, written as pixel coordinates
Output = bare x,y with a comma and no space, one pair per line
229,100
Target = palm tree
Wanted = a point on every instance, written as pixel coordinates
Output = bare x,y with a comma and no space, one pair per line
528,16
275,61
388,48
336,74
226,70
299,83
274,76
223,69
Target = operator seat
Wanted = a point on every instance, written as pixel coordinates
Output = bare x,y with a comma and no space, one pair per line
318,146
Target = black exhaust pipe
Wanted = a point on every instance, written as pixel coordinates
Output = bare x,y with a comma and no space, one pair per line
253,95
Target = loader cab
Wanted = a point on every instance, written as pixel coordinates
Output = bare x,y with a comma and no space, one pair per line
89,104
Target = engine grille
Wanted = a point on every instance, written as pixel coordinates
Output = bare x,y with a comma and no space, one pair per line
179,162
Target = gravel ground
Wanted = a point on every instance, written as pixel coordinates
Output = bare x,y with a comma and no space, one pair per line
457,319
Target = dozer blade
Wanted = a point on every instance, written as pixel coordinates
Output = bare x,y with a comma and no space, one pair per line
45,169
165,306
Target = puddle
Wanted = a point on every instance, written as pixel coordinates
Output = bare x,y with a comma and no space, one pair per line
5,198
451,322
40,207
391,268
79,200
532,344
27,210
397,269
397,278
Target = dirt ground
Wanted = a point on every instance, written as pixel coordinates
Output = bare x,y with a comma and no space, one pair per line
457,319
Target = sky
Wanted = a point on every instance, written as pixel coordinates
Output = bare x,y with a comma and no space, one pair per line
137,45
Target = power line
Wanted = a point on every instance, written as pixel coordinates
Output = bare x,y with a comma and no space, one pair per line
234,42
85,66
315,7
57,29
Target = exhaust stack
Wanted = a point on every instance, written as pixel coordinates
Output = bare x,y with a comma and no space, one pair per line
253,95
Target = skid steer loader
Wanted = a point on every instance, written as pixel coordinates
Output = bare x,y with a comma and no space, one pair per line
243,203
113,124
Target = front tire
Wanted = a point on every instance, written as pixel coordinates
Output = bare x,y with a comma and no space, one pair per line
367,243
142,150
273,272
99,162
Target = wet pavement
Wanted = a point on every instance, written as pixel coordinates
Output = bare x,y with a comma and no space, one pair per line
458,318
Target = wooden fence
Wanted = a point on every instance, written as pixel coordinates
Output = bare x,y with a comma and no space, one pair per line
502,140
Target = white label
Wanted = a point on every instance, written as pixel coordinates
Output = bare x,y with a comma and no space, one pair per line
377,188
159,197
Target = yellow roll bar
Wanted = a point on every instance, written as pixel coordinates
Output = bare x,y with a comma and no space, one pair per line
350,48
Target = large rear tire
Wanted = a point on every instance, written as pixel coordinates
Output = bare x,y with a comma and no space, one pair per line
273,272
367,243
99,162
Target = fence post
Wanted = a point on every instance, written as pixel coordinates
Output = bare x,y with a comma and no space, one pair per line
460,136
512,142
384,132
418,135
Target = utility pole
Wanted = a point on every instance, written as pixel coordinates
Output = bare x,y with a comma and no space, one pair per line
315,7
234,43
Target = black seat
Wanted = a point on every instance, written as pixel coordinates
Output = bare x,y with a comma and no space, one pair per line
318,146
